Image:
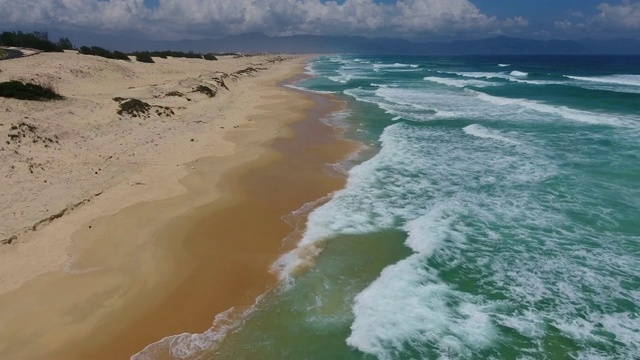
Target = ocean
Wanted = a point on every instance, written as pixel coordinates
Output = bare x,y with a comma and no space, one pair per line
493,212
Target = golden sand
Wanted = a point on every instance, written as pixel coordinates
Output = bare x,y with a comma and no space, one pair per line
185,228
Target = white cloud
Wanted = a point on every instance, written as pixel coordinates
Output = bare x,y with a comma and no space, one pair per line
193,18
625,15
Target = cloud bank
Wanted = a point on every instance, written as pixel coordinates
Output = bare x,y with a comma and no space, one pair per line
215,18
613,20
624,16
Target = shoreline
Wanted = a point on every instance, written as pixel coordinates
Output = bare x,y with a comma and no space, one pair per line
118,278
313,146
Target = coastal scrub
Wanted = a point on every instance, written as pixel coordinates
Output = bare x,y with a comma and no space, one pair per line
28,91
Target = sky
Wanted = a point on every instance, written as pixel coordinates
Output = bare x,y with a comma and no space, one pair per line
410,19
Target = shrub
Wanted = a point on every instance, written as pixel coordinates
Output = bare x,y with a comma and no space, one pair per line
144,57
178,54
120,56
134,108
35,40
85,50
28,91
139,108
65,44
175,54
98,51
205,90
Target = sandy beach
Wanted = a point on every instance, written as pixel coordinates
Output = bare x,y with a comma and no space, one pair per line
119,231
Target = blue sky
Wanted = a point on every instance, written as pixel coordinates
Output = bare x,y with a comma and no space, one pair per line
411,19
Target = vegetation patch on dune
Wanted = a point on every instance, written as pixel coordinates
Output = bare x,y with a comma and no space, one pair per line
176,94
205,90
248,71
144,57
25,132
28,91
36,40
140,109
133,107
180,54
98,51
220,82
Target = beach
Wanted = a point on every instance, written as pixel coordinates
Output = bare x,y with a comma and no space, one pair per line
120,231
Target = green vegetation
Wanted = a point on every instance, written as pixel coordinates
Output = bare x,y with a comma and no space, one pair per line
35,40
120,56
144,57
3,54
180,54
98,51
28,91
40,41
65,44
205,90
175,54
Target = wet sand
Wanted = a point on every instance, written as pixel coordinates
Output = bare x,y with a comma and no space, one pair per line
228,248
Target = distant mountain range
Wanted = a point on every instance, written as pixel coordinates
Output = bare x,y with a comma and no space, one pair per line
258,42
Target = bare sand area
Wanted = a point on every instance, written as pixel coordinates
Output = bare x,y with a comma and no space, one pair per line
119,231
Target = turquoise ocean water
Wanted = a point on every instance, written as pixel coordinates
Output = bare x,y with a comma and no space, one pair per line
494,214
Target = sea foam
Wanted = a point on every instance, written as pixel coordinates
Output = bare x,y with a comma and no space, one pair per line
460,83
622,79
519,74
482,132
561,111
